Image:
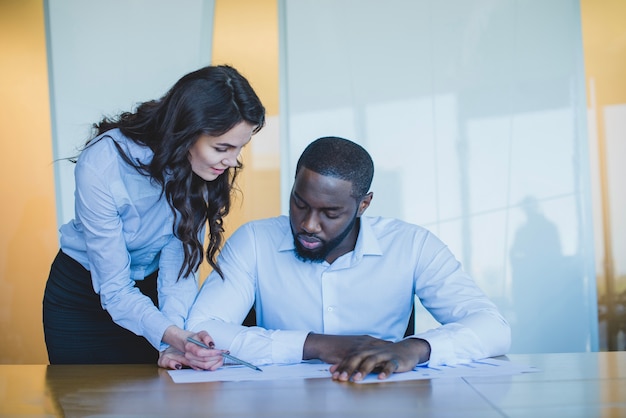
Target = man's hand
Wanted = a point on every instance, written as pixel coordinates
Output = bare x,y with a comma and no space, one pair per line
384,360
354,357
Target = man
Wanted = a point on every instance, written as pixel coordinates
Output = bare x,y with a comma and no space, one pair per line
329,283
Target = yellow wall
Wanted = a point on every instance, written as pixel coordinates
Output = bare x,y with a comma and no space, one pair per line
245,35
604,41
28,241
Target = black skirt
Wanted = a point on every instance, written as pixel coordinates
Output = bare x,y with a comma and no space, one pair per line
78,331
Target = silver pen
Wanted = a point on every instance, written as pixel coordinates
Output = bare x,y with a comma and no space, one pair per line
228,356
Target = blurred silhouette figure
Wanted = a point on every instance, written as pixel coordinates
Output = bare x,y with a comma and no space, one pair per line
548,302
537,240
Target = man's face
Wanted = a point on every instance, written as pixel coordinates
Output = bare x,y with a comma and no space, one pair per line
323,216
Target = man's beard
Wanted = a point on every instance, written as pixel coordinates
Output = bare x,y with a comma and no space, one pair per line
318,255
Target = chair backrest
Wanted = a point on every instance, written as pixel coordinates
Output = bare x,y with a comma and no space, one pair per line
410,328
250,320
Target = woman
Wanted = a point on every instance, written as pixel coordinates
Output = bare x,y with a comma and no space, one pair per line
147,186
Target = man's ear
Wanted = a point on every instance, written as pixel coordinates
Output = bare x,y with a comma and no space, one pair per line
365,203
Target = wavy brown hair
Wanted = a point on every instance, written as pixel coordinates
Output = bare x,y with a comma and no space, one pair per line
211,101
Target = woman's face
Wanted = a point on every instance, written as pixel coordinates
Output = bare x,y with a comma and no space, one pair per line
210,156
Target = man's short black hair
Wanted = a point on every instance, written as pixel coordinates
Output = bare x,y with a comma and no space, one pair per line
340,158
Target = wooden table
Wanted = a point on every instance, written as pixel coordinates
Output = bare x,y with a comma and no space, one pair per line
569,385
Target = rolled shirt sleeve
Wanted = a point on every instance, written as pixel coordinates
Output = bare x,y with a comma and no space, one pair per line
472,327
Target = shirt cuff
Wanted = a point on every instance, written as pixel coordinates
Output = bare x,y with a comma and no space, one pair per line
288,346
261,346
155,329
441,347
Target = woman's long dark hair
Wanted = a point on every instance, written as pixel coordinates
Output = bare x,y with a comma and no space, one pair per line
211,101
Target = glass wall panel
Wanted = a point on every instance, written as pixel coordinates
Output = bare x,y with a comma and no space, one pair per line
104,57
474,113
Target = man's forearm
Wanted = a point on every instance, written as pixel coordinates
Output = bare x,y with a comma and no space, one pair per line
418,346
313,346
334,348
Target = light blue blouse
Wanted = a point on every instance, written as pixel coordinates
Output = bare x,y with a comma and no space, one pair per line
122,232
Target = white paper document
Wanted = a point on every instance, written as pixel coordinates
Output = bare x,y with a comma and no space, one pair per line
487,367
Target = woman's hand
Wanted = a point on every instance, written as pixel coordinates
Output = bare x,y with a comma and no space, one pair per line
182,353
201,358
171,358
